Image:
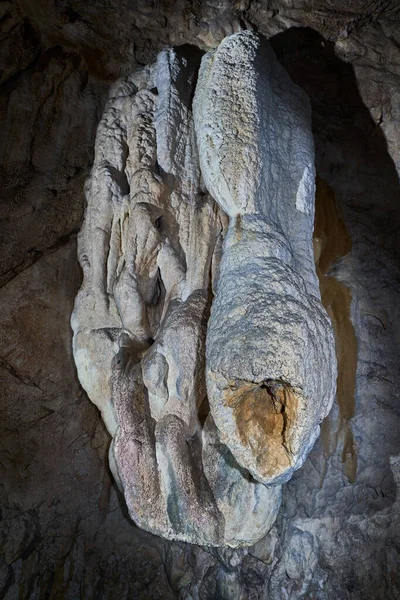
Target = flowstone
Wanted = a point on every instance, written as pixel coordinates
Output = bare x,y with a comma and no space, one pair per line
198,330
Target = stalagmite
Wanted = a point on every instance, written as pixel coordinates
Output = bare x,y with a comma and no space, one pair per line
187,214
271,366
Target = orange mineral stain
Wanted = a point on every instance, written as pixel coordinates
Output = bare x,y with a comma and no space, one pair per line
331,242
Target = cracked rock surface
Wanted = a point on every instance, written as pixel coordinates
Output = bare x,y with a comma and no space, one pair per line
64,531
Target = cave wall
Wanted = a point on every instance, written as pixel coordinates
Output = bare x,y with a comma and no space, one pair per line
64,531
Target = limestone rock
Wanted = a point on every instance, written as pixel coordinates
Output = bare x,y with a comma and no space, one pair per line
63,522
271,365
140,318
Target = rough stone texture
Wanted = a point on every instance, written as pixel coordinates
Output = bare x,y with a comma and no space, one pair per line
140,318
336,537
271,365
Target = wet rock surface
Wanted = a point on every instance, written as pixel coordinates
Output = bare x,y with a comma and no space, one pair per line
64,531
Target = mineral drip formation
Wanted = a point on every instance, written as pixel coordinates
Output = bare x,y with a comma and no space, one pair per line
198,330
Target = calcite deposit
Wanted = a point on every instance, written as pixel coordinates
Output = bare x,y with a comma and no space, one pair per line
65,531
195,206
271,366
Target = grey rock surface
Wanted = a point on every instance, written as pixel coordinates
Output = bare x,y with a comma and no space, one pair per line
64,532
271,364
140,317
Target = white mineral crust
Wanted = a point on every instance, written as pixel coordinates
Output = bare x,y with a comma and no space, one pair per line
271,366
155,248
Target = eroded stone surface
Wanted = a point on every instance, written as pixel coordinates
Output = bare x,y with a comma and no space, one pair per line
140,319
271,366
63,531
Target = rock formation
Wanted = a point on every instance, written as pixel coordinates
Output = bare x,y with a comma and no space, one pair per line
155,247
271,367
65,531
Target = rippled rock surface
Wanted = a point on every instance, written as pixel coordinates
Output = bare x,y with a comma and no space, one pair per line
209,411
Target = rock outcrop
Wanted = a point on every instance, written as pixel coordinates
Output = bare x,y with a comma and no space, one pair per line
64,528
271,366
152,253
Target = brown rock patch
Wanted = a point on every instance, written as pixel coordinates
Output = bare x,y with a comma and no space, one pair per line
264,414
331,242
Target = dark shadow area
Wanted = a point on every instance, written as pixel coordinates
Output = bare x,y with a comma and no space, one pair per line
353,158
348,141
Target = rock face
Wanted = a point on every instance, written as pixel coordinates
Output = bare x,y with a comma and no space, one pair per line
64,528
150,250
